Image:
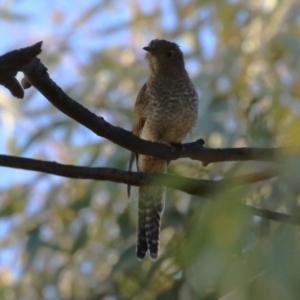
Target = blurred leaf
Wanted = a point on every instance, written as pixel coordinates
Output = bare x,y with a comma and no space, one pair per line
293,45
291,136
32,247
124,223
127,261
12,16
243,59
80,238
42,132
80,204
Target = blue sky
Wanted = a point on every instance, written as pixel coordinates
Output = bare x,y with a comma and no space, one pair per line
40,22
50,21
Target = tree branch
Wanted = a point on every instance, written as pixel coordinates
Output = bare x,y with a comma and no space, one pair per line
12,62
273,215
36,74
198,187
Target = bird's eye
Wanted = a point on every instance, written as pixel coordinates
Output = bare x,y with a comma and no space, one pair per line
170,54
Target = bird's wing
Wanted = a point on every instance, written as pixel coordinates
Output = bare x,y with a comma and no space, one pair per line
139,120
139,117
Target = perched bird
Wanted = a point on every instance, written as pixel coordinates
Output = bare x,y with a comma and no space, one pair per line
166,109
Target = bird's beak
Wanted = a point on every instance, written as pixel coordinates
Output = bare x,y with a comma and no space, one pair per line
148,49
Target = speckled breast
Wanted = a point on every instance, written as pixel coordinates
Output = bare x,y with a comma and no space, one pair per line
172,111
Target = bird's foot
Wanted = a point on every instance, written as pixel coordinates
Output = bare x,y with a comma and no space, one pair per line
177,147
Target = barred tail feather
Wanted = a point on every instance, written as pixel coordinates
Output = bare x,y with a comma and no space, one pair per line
141,247
151,206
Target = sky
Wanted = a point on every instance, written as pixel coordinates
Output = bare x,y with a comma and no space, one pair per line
40,23
50,21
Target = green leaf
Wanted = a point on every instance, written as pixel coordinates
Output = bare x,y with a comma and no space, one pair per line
32,247
80,239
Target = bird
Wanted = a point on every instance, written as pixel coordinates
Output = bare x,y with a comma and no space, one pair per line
165,111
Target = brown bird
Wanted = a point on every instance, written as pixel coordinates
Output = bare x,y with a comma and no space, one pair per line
166,109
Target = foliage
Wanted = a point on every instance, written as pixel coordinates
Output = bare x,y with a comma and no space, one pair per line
74,239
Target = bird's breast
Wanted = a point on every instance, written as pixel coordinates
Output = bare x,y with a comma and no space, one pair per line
170,115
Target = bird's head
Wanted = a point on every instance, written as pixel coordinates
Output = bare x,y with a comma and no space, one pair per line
164,55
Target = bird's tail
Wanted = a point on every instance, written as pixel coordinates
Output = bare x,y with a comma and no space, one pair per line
151,207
